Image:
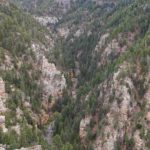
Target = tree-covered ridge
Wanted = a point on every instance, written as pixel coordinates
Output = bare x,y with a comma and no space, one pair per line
18,31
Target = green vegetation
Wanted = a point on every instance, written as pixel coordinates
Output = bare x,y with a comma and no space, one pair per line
17,32
128,17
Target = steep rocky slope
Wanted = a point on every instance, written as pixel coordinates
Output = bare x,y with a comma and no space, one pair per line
110,42
29,80
81,84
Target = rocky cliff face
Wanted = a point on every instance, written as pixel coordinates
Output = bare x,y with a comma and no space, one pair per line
123,107
52,80
3,109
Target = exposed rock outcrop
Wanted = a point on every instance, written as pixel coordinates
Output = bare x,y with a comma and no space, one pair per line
63,32
46,20
3,108
2,147
139,143
52,80
83,125
122,109
36,147
16,129
110,50
2,97
7,63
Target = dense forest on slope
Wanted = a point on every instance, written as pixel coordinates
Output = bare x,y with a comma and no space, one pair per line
127,23
104,51
17,31
35,6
